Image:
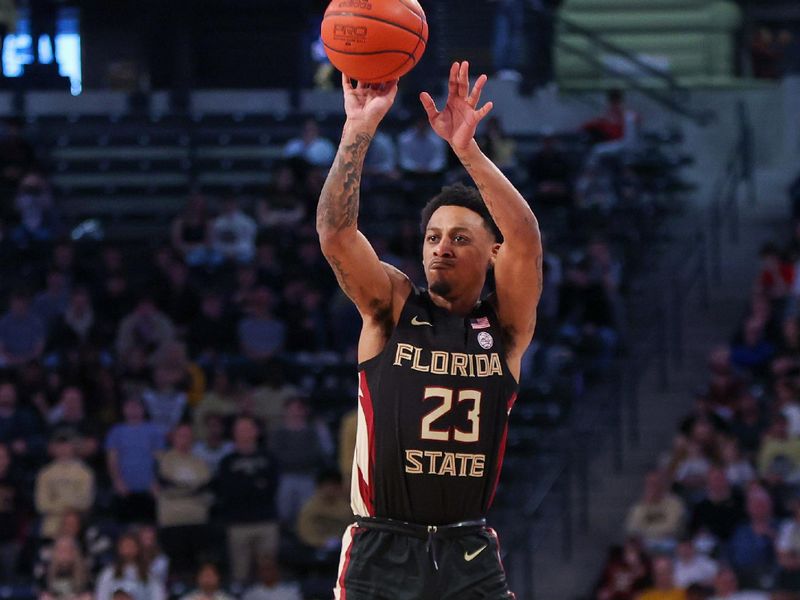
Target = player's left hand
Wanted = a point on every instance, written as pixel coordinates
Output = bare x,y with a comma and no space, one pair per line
457,122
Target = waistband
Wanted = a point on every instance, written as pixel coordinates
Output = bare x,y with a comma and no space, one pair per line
423,532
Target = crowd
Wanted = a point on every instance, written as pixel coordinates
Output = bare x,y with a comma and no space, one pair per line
719,515
175,415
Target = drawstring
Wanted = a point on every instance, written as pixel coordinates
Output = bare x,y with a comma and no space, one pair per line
431,546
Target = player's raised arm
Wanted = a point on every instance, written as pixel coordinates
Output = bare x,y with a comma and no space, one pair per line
518,266
360,273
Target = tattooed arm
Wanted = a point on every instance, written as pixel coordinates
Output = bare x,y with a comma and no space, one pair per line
518,265
370,284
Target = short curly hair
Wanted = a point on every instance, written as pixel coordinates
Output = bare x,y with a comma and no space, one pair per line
460,195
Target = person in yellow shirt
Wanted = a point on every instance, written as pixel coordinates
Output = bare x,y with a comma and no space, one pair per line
664,587
777,444
325,515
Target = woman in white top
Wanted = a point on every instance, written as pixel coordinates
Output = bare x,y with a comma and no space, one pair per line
130,573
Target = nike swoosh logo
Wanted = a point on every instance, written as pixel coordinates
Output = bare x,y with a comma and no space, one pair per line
469,556
417,322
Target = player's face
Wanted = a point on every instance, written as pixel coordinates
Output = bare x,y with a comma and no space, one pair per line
457,251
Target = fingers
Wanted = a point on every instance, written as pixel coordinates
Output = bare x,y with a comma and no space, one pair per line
428,104
485,110
452,82
463,79
475,95
347,85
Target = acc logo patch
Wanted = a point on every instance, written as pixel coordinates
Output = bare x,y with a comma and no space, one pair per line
486,340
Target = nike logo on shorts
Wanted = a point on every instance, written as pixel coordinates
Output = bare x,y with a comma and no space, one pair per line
470,556
417,322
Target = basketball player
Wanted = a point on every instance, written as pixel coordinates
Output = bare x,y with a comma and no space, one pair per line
438,368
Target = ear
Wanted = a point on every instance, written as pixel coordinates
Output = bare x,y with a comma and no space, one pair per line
493,255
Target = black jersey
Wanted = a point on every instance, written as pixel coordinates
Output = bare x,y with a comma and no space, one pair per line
433,417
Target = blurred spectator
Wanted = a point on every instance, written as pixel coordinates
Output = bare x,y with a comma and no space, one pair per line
691,472
325,516
233,233
214,446
380,163
497,144
692,566
181,372
67,575
282,205
551,173
615,131
767,53
11,507
779,453
208,585
183,502
596,191
178,298
748,424
270,585
17,155
776,274
311,146
212,333
509,25
38,222
664,586
261,335
300,447
626,572
272,393
69,415
738,470
94,541
191,234
76,328
64,484
751,548
50,303
19,427
307,321
220,399
347,444
658,516
420,150
721,511
154,559
128,573
245,487
145,329
787,546
22,334
130,448
753,352
726,587
165,403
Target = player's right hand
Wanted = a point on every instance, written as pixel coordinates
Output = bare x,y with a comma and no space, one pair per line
367,104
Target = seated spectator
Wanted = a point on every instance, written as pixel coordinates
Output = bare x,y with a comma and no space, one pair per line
380,163
751,548
181,372
69,415
551,173
183,502
774,280
145,329
50,303
233,233
67,576
211,335
753,352
664,586
787,547
64,484
128,573
11,511
778,450
20,428
282,205
245,487
300,447
726,587
178,298
692,566
325,516
214,446
748,424
738,470
77,328
270,585
658,516
272,393
155,560
219,399
261,335
130,453
165,403
38,221
208,585
626,572
614,132
691,472
498,146
94,541
721,511
311,147
421,151
22,334
190,234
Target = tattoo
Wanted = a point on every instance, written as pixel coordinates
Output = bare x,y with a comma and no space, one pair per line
338,203
341,275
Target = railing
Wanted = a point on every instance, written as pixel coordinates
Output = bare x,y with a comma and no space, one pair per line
614,415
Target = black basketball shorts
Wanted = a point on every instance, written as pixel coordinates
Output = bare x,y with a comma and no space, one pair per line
384,559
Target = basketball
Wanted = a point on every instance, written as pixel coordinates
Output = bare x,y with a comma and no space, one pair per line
374,40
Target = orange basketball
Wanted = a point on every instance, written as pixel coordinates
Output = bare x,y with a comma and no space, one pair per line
374,40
